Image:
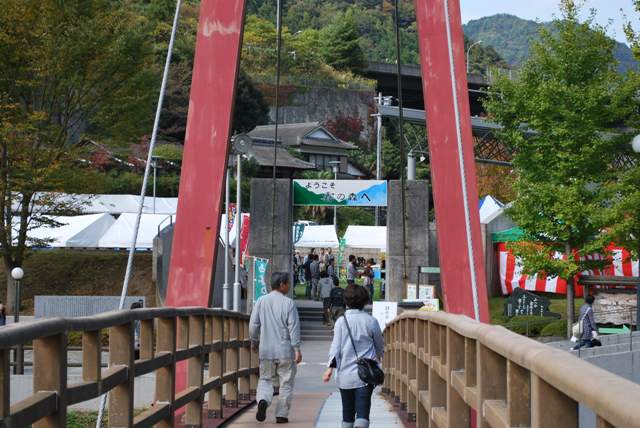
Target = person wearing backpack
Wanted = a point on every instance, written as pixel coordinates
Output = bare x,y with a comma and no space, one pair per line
586,324
336,300
356,350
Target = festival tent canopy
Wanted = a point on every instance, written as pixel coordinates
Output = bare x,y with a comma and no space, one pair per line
490,208
514,234
78,231
318,237
120,233
99,204
366,237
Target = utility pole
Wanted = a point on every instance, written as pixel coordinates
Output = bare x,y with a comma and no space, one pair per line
378,149
411,166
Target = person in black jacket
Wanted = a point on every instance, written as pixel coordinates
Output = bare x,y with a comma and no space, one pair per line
336,301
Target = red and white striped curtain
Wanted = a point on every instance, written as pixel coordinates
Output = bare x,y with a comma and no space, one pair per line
511,275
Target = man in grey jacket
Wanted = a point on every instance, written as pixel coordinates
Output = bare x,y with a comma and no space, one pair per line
275,325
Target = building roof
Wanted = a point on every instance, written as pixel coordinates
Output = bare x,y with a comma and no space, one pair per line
263,155
310,134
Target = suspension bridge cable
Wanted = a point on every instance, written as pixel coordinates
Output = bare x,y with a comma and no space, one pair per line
401,135
275,138
143,190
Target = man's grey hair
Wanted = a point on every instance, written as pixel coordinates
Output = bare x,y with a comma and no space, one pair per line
279,278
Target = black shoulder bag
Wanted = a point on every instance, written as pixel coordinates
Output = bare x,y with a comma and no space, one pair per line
368,370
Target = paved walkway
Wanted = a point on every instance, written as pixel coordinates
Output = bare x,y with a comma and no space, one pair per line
316,404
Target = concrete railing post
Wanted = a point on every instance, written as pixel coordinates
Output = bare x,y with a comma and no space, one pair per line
166,376
194,370
121,354
50,375
215,367
550,407
244,386
231,362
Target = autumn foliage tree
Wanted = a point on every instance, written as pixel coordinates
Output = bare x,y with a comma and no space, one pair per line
68,69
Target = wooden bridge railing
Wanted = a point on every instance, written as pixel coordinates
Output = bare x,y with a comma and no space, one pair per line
167,337
442,366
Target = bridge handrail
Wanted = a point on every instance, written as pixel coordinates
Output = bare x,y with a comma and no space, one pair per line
166,337
440,365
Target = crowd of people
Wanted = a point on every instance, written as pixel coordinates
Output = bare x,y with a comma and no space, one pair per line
274,329
313,267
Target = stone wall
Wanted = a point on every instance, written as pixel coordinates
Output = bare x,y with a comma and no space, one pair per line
309,104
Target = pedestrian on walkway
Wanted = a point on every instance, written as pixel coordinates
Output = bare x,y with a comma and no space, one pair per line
325,285
587,321
343,355
336,299
306,267
315,277
3,315
275,325
368,279
352,270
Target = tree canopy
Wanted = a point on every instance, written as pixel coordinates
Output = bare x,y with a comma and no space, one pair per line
561,117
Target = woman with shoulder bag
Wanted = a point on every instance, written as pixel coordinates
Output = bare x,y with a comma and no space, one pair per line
356,349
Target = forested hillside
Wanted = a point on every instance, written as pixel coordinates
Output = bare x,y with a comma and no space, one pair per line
371,19
511,36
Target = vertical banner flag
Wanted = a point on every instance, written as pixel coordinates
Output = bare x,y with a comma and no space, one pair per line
341,247
260,268
244,237
231,216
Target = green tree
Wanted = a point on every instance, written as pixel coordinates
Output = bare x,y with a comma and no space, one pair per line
341,44
624,217
556,117
68,69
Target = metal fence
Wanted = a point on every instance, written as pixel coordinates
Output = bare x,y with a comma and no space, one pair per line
444,369
169,340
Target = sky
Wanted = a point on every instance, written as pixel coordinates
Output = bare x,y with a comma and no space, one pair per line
544,10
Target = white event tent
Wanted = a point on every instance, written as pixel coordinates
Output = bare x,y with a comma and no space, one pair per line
111,204
120,233
366,237
490,208
318,237
83,231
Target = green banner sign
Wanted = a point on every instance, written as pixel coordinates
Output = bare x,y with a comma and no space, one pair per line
260,269
355,193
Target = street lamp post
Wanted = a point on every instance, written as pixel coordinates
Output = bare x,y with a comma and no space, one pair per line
241,145
334,167
225,286
17,274
154,165
469,51
238,222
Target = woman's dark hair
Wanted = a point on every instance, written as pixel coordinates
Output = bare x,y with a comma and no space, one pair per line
324,274
352,258
589,299
355,296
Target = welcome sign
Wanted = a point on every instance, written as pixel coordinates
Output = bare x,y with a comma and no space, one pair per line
354,193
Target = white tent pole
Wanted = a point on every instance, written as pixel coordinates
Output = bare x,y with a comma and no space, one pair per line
154,135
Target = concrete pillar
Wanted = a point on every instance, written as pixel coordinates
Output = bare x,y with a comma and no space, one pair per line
417,235
261,243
